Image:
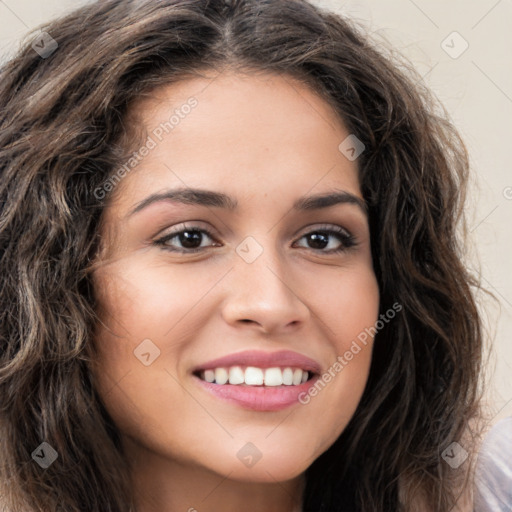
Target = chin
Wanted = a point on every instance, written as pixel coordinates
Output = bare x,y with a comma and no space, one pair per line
271,464
269,472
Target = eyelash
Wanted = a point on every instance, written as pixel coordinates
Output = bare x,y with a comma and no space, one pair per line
347,239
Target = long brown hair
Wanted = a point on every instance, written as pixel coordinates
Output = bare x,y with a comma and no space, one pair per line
62,121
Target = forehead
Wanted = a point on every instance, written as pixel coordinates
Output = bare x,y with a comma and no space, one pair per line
263,133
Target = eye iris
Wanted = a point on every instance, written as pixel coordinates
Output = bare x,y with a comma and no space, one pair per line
320,240
189,238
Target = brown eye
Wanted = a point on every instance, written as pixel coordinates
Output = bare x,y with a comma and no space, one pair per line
185,240
321,239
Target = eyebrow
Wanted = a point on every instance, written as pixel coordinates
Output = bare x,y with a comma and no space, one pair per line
214,199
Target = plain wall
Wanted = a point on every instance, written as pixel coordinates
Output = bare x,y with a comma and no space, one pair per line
475,87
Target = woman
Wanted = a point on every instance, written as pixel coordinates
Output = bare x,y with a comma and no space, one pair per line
231,275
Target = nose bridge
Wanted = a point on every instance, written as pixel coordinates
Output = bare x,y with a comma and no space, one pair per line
259,289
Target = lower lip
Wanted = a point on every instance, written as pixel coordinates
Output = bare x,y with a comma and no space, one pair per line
259,398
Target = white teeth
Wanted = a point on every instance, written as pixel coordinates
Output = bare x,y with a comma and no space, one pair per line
297,376
273,377
236,375
209,375
288,376
253,376
221,375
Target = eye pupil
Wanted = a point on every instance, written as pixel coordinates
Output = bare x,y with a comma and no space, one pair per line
189,238
320,240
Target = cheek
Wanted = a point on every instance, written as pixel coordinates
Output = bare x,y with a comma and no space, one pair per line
144,309
140,301
347,304
349,318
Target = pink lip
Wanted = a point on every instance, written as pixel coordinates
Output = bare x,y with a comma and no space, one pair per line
281,358
261,398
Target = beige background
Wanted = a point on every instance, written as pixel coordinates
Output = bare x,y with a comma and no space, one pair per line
476,88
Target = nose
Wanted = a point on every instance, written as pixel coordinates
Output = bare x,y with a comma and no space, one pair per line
262,293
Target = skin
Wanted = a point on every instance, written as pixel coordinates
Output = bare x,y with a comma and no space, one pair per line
264,140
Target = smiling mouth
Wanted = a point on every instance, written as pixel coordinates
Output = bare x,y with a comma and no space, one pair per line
254,376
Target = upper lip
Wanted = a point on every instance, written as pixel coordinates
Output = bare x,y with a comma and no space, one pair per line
281,358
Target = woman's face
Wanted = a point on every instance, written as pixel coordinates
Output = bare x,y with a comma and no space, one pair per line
282,284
